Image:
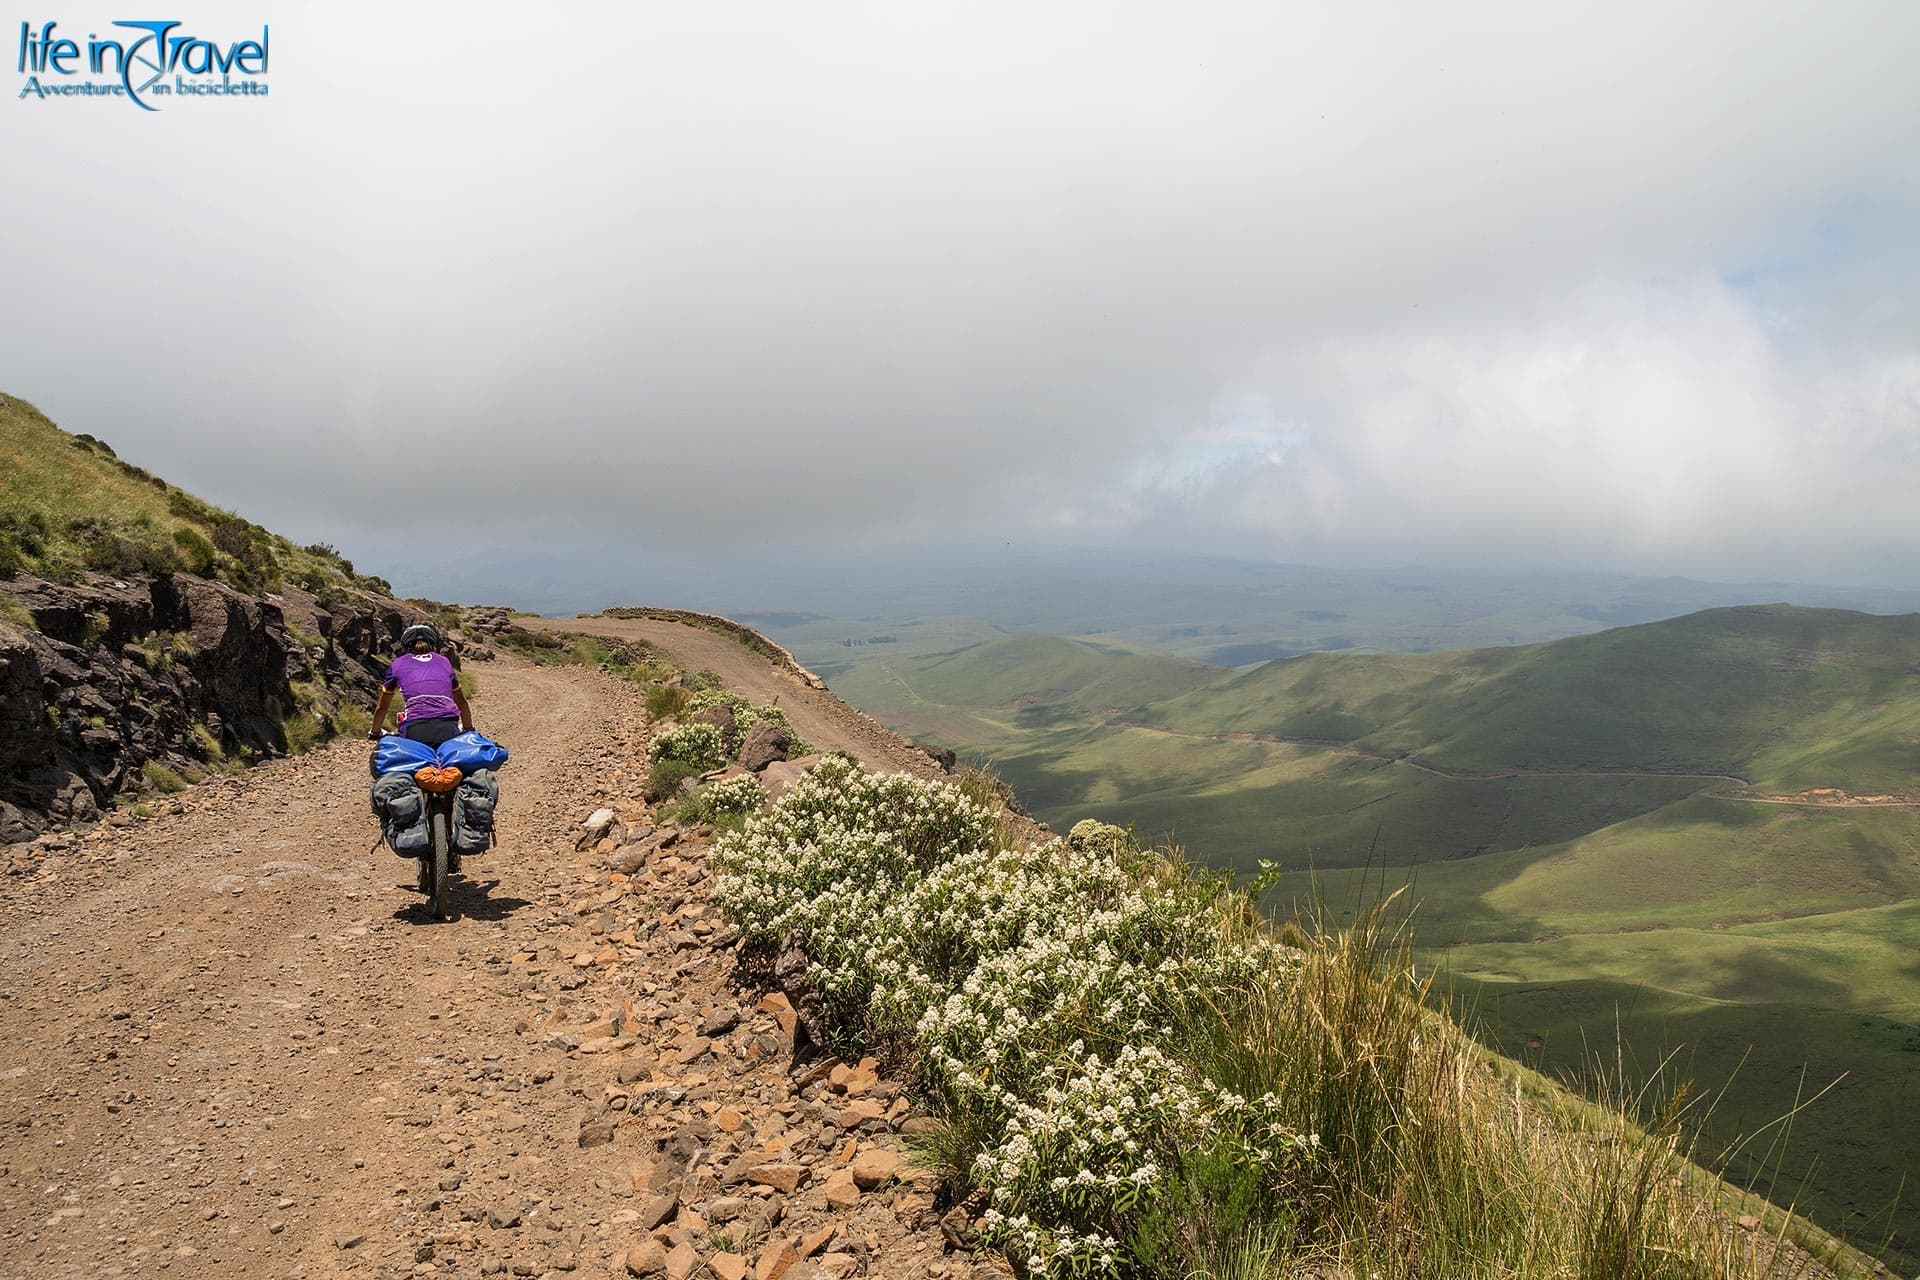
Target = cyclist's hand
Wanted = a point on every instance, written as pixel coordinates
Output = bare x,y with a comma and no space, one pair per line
373,735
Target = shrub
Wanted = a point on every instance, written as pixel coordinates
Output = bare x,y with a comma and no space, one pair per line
699,745
918,928
746,714
327,551
123,551
718,801
251,564
665,777
187,507
95,628
196,553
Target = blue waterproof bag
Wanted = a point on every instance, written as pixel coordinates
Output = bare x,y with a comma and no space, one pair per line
395,754
471,751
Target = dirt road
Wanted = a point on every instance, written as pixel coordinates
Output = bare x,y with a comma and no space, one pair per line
227,1036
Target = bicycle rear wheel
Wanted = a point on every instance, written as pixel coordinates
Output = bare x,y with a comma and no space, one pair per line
442,843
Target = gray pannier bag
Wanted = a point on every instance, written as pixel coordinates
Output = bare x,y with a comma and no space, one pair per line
402,810
473,805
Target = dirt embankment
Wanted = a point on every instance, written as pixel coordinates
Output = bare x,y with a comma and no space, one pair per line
233,1044
819,717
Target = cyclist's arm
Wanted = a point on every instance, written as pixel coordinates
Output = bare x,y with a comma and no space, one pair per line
466,712
380,709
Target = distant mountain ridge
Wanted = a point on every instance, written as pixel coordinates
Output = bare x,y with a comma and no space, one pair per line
1216,609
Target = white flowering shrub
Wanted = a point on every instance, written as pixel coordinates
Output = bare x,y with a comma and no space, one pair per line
830,858
1043,990
743,794
1084,1157
699,745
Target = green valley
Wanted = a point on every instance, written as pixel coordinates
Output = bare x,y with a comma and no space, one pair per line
1692,837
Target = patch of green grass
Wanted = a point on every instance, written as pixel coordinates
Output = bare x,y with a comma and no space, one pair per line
303,731
630,660
208,746
95,629
162,649
666,700
161,778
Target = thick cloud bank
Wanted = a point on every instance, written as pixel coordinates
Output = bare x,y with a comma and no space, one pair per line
1630,286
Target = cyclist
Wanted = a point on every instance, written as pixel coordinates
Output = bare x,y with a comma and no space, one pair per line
433,707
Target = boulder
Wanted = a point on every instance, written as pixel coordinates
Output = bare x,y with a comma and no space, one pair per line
781,774
17,826
766,743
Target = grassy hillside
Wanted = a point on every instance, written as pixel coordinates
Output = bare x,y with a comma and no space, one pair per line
1016,673
1771,692
1700,835
69,504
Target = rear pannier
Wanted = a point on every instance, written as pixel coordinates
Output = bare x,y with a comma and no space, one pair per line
473,807
402,810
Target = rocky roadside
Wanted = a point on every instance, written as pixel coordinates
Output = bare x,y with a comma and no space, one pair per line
747,1160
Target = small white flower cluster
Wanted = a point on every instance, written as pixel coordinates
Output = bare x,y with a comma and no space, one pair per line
732,795
698,744
1041,988
1111,1122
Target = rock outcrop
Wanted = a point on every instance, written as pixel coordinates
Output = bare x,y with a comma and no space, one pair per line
106,678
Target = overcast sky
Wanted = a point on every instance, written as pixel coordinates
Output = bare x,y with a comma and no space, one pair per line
1623,286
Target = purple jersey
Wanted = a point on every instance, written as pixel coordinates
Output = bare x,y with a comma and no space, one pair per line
426,681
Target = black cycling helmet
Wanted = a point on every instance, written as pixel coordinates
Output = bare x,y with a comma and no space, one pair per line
417,632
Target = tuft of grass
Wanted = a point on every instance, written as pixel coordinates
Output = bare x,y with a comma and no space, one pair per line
304,731
666,700
162,649
208,746
352,720
16,614
96,628
162,778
